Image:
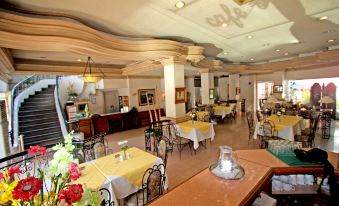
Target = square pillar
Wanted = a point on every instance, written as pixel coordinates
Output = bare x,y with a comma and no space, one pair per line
174,78
207,83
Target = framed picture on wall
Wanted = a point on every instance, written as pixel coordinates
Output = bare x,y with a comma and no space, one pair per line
180,95
145,95
237,90
211,94
277,89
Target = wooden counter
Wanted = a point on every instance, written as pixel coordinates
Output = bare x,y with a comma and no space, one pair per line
206,189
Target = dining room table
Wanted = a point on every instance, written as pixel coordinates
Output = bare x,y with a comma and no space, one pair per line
285,126
223,110
196,131
120,177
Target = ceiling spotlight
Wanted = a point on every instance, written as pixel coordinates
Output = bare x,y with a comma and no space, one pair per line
323,18
225,53
252,59
330,40
277,50
180,4
224,25
286,53
249,37
79,60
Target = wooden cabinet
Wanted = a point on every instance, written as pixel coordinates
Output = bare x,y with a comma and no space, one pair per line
86,127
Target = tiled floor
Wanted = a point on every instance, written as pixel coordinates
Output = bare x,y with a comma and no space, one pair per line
231,133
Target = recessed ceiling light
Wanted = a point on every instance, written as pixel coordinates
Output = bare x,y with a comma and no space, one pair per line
225,53
224,25
180,4
286,53
252,59
79,60
277,50
249,37
330,40
296,42
323,18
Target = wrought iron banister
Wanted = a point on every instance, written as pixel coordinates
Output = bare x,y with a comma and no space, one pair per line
18,89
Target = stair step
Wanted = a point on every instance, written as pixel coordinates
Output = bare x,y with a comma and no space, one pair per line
40,131
36,104
36,111
46,143
27,122
40,100
38,116
36,107
43,95
45,136
38,125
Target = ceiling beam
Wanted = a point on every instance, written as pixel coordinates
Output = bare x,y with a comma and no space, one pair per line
6,61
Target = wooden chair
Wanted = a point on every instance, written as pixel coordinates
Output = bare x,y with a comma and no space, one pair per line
152,186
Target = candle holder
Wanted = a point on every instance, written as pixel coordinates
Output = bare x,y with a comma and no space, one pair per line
227,166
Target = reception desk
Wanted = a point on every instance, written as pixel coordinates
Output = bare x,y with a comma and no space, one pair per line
206,189
114,122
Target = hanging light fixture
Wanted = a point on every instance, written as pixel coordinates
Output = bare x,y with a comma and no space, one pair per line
88,76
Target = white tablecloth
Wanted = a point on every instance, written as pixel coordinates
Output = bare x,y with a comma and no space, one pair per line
196,135
287,132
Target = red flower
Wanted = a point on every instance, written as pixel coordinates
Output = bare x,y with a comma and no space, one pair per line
1,176
27,188
71,194
13,170
34,150
74,171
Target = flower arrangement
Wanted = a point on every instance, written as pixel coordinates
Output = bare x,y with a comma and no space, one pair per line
193,115
123,146
52,184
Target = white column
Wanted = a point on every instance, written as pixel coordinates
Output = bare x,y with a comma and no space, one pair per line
207,83
255,94
234,83
173,78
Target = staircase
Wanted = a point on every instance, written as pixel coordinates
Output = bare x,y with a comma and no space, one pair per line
38,119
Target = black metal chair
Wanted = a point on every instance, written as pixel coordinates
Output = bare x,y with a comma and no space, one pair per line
181,142
267,132
308,139
162,151
260,116
250,123
153,186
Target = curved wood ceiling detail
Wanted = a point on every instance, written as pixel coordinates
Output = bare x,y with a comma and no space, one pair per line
40,33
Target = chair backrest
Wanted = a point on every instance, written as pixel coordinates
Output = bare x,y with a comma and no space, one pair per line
162,151
153,183
260,116
267,128
250,121
315,125
99,150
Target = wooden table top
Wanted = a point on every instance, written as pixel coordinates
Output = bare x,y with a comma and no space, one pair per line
207,189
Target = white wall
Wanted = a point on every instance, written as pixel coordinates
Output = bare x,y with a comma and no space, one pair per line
136,84
189,84
111,98
223,81
246,90
3,86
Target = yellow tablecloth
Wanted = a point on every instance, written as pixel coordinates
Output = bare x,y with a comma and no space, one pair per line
91,176
200,114
187,126
285,120
131,170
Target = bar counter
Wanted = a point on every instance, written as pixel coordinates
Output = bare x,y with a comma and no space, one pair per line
206,189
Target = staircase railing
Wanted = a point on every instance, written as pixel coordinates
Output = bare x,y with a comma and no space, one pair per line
58,78
19,88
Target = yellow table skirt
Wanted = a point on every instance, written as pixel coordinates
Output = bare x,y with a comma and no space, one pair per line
187,126
200,114
132,169
226,108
